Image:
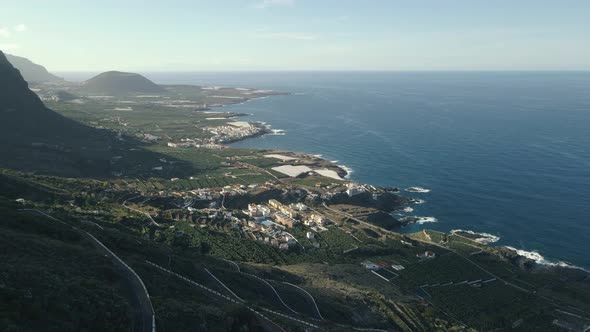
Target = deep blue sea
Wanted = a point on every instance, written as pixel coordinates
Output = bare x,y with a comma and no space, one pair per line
506,153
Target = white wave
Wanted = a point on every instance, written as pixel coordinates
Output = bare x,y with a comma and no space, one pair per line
539,259
417,201
277,132
483,238
417,190
422,220
408,209
334,161
347,169
317,155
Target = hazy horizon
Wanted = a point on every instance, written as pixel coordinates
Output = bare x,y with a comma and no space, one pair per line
298,35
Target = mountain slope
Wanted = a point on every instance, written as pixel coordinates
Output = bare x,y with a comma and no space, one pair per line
35,138
30,71
25,117
120,83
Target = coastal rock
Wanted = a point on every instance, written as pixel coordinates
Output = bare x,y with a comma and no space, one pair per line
387,201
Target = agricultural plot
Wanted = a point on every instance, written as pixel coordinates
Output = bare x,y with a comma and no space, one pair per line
491,305
439,270
385,274
337,240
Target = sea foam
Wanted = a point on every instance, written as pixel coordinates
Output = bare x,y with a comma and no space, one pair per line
539,259
423,220
277,132
417,190
483,238
348,171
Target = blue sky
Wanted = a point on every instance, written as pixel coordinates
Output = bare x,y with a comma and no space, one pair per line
197,35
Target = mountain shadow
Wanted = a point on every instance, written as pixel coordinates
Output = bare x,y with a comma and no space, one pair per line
35,138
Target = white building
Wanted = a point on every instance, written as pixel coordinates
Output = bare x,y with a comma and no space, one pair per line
354,189
300,207
315,218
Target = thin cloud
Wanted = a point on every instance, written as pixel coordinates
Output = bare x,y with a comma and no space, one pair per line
9,47
20,28
274,3
5,32
330,20
284,35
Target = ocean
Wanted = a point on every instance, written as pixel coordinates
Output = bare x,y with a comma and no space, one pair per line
505,153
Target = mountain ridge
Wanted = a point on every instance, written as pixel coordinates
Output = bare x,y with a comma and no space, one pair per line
32,72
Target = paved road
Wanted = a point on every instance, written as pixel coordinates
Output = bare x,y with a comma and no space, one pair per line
148,319
234,264
154,223
274,290
214,292
92,223
294,238
224,285
263,170
311,297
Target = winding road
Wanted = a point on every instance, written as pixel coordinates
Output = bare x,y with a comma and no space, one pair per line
154,223
311,297
148,318
223,285
300,321
274,290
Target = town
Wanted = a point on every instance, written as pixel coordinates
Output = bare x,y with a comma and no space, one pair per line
268,222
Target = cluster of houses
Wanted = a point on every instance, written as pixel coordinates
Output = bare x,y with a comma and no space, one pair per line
234,131
196,143
231,132
269,223
286,215
270,233
351,189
